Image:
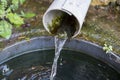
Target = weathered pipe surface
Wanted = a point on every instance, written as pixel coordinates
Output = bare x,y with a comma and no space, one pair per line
47,42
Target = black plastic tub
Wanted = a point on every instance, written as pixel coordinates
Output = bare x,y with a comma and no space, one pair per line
47,43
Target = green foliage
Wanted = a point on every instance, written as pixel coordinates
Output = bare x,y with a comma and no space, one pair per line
3,5
9,18
16,3
107,48
22,1
5,29
27,15
15,19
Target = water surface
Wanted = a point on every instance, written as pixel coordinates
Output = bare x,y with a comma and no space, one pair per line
72,65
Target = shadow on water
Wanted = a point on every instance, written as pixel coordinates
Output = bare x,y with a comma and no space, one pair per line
72,65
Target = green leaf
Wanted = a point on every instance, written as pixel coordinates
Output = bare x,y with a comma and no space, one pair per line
15,19
107,48
22,1
1,13
15,4
4,3
28,15
5,29
8,10
2,10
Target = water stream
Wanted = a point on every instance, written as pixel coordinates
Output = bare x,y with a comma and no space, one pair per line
65,30
59,43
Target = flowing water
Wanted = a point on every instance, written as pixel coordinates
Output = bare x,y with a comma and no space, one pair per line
59,43
65,30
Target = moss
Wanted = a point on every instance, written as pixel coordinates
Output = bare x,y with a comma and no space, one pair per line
94,32
55,24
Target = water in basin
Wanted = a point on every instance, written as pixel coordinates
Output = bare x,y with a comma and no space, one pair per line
72,65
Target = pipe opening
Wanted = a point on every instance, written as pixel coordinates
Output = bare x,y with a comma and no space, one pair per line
58,21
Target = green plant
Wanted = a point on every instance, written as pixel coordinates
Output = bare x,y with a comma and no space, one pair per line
9,17
107,48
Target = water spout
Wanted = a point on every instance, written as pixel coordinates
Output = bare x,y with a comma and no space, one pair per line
64,16
76,8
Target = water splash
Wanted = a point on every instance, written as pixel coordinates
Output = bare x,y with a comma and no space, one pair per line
59,43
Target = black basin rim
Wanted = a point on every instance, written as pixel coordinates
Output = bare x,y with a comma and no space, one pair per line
47,42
